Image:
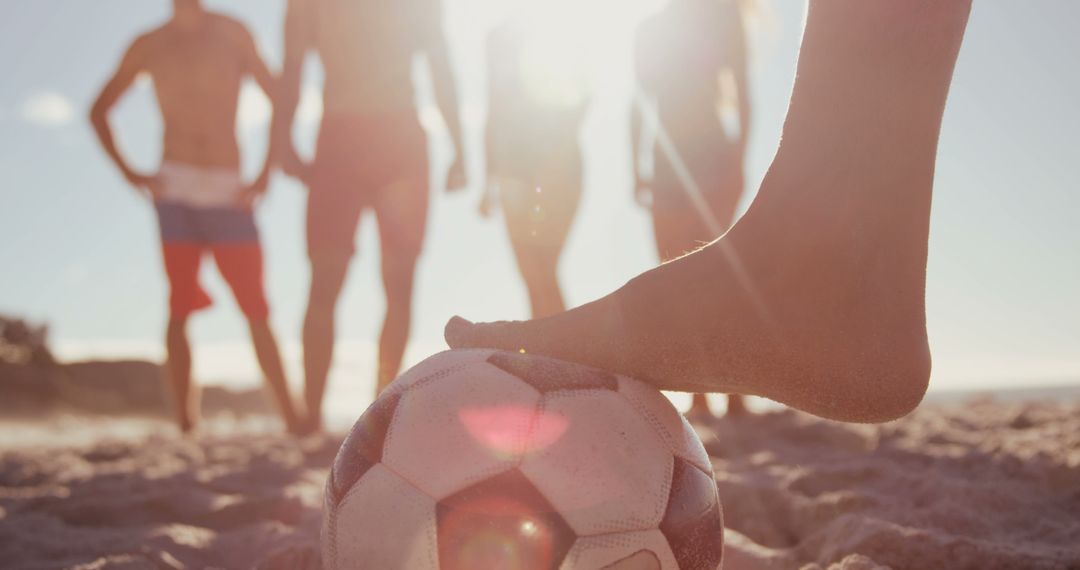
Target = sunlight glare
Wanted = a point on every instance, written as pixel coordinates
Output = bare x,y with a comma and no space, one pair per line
567,44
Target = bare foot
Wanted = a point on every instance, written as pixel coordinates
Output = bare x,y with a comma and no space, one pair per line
811,335
311,426
298,427
186,424
815,298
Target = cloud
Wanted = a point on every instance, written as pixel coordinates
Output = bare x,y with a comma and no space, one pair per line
47,109
255,109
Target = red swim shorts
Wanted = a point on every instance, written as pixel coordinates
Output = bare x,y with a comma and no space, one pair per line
378,162
198,213
241,264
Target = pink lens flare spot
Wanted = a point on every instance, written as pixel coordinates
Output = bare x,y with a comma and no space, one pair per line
500,428
547,428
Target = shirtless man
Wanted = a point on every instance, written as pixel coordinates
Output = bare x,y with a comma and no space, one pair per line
816,297
707,38
197,61
371,153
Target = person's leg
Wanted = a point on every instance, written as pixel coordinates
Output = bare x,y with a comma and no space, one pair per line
401,211
736,406
816,297
538,221
398,271
699,409
536,264
182,261
242,267
178,365
539,270
266,350
335,202
328,271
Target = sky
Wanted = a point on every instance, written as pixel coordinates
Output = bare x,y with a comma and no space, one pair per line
79,249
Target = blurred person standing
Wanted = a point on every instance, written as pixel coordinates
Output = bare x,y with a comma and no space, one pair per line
371,154
198,60
538,91
690,59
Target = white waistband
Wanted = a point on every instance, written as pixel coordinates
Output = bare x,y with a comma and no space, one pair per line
198,186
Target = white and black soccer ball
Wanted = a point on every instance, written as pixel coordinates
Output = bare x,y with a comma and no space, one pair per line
479,459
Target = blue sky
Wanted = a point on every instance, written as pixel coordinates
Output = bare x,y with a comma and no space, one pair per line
79,249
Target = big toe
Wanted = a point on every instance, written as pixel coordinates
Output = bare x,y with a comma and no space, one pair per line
503,335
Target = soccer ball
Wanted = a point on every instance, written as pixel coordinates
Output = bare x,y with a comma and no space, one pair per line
479,459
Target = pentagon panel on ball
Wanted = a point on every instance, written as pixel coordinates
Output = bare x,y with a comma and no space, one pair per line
478,459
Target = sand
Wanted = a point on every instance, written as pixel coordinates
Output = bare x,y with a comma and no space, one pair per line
214,501
983,484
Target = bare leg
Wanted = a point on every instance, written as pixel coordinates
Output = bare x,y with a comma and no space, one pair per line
401,211
816,297
327,277
266,350
736,406
538,221
185,398
398,270
699,409
539,270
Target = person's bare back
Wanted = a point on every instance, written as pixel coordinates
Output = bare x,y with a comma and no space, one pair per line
366,49
197,75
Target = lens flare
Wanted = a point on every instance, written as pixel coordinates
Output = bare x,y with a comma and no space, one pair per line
498,428
503,522
497,532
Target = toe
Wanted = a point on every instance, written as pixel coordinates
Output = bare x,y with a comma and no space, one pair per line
502,335
458,332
